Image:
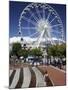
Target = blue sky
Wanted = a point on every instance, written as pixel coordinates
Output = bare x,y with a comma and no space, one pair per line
17,7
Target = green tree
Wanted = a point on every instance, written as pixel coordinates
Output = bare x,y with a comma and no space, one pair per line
10,53
24,53
15,48
61,50
52,50
36,52
57,51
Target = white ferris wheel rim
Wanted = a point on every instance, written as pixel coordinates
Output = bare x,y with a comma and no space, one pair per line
29,6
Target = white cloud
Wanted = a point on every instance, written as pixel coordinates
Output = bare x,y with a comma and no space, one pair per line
29,40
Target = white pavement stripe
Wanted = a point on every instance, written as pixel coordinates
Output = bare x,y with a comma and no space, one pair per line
26,77
10,72
40,81
15,79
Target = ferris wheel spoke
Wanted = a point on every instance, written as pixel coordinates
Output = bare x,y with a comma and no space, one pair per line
37,40
52,20
35,18
28,27
29,20
40,38
55,32
56,25
43,13
32,14
34,34
48,16
38,12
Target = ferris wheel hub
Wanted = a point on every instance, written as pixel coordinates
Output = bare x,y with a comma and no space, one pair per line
43,25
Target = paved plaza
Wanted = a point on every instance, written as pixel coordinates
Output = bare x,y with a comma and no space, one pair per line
25,77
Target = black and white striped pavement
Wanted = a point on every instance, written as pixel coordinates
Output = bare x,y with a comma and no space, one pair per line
26,77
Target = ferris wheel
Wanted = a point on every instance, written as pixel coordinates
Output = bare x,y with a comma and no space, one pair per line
42,22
